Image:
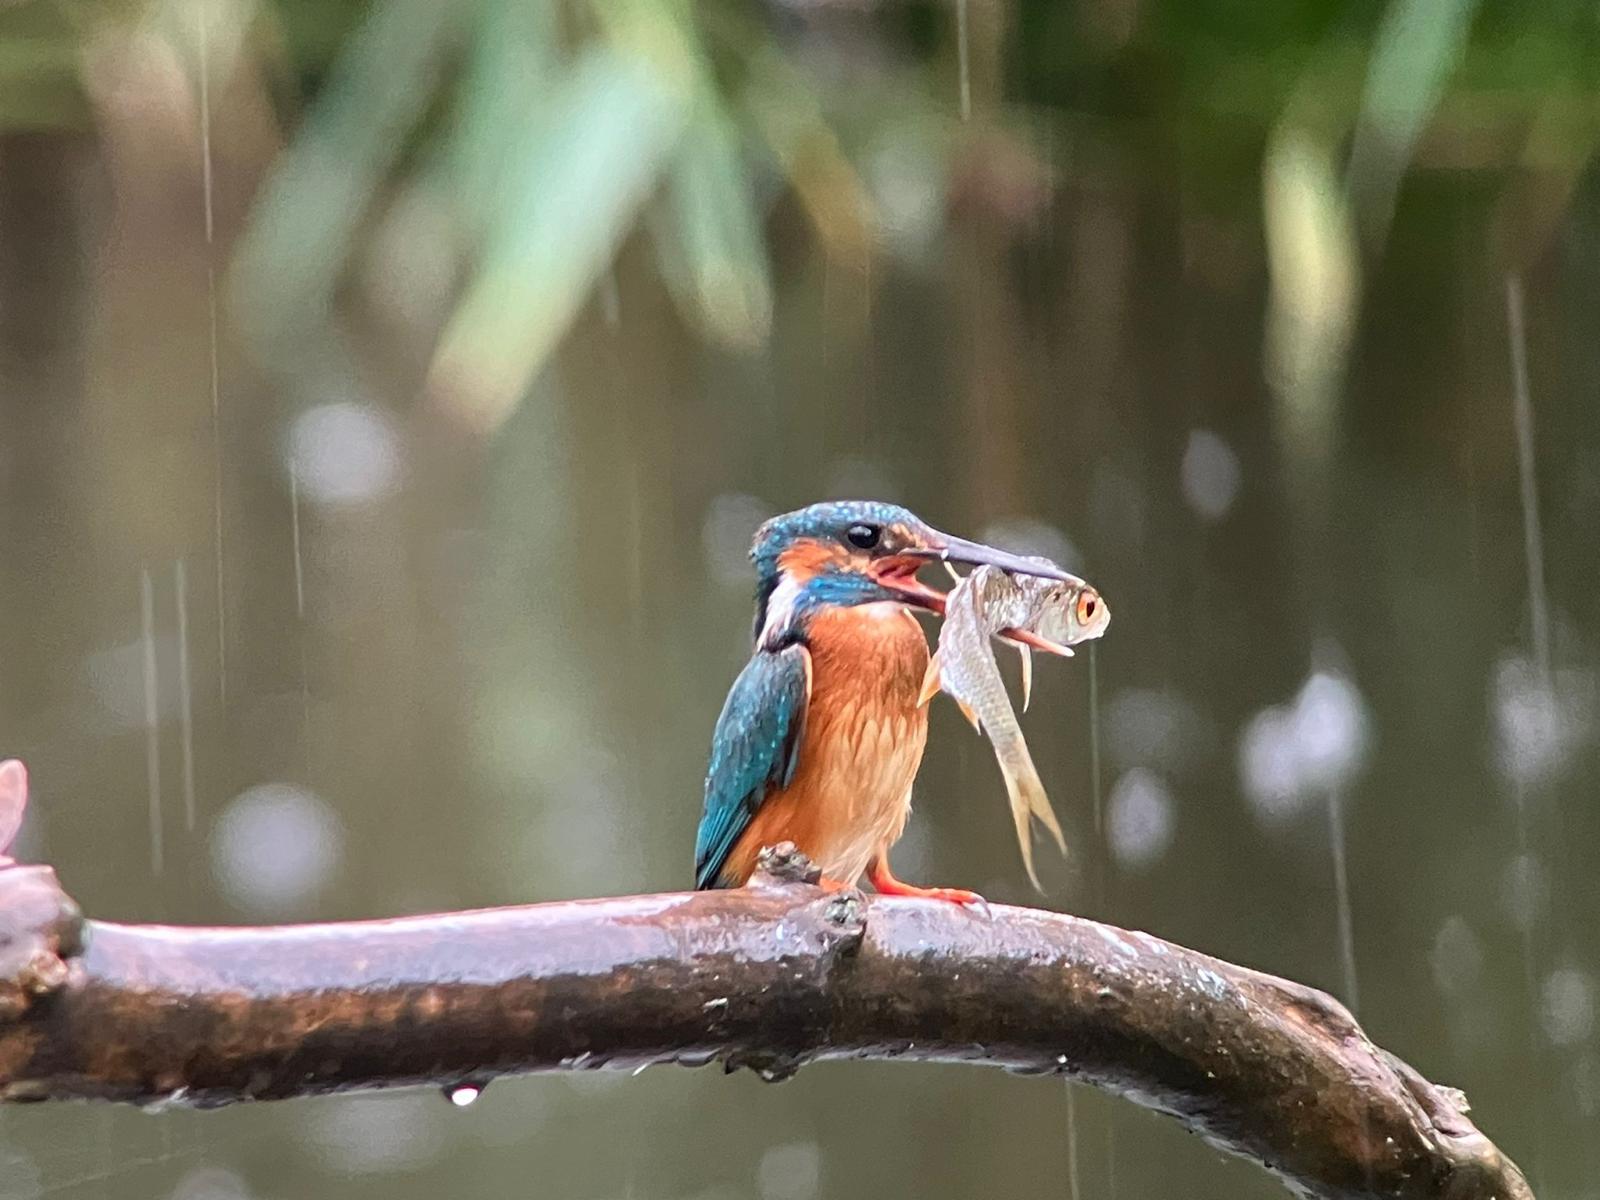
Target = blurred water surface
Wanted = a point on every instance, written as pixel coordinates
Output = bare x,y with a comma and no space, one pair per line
388,394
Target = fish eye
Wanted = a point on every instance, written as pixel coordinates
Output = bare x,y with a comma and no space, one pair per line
1088,606
864,537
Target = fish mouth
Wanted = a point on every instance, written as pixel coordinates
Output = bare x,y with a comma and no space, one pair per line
1035,641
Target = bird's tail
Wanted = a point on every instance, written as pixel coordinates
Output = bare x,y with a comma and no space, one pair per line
1029,803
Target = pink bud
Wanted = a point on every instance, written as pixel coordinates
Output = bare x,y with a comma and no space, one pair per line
13,800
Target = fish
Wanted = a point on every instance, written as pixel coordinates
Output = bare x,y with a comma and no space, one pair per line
1029,613
13,804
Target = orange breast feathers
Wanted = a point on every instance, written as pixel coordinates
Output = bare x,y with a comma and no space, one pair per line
864,735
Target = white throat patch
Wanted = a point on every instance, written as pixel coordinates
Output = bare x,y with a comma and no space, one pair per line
780,607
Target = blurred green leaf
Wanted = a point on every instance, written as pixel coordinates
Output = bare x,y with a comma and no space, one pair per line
612,125
1316,283
713,254
292,256
512,66
1415,49
786,108
40,57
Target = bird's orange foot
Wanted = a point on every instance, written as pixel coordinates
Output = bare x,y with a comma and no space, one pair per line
954,895
887,885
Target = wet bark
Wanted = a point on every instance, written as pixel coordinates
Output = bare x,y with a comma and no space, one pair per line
771,977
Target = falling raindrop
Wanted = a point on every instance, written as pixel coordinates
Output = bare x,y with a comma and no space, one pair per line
1072,1143
636,555
1543,731
216,504
294,537
1100,861
1341,892
203,44
205,117
152,719
1522,417
1291,755
300,612
180,587
1094,739
962,53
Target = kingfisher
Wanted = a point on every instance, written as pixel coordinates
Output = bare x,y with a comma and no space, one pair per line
823,731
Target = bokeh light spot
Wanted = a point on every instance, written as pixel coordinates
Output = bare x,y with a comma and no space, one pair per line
1139,818
344,453
1209,475
790,1172
275,847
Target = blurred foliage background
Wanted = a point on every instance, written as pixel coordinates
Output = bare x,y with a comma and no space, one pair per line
388,393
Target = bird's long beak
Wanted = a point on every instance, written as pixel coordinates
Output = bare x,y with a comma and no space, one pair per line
945,548
900,572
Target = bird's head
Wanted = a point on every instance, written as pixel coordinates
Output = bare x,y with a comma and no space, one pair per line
848,552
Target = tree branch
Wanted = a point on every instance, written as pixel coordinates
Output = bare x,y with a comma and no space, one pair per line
770,977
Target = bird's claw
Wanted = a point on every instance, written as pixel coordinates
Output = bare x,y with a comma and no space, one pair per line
887,885
958,896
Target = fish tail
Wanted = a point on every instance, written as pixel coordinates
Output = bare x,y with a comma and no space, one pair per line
1029,803
1020,816
1046,816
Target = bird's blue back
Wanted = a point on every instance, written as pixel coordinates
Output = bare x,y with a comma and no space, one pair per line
753,751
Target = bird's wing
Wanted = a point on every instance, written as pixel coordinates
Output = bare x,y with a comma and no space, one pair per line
754,749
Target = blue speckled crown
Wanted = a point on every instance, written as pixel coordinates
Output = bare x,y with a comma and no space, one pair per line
828,519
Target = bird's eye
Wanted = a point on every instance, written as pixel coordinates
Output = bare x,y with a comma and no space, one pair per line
1088,605
863,536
